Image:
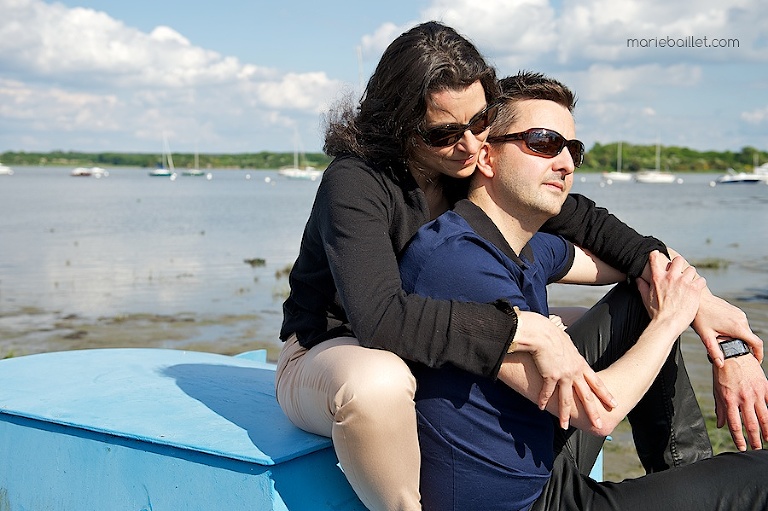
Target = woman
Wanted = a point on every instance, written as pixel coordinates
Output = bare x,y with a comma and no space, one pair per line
399,162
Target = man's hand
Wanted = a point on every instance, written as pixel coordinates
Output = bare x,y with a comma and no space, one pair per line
674,291
718,318
562,367
741,391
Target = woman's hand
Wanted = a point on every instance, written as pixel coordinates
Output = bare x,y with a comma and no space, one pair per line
562,368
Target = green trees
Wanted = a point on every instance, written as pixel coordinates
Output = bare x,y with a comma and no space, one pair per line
602,157
262,160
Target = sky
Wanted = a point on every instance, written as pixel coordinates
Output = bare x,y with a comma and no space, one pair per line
237,76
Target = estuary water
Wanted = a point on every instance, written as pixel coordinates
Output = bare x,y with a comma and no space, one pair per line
133,245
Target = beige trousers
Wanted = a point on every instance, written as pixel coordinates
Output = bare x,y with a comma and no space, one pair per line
362,399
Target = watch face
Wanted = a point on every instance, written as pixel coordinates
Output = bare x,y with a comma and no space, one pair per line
734,348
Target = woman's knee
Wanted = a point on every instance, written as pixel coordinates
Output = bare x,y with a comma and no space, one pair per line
382,377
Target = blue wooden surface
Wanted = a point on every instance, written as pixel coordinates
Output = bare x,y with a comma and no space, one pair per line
142,429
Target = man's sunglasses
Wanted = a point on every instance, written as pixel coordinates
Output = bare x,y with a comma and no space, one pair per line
448,134
547,142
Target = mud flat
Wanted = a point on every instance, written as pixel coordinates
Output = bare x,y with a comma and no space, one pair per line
621,461
31,330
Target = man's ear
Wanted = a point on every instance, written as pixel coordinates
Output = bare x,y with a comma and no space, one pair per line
484,159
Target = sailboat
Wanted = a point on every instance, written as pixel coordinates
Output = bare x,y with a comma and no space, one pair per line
656,176
166,159
296,172
617,175
195,171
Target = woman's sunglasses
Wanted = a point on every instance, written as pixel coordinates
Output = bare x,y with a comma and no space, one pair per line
547,142
448,134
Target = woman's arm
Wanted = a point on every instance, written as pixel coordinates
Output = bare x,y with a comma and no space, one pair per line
595,229
360,221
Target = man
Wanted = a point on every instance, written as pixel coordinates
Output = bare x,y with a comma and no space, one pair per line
486,445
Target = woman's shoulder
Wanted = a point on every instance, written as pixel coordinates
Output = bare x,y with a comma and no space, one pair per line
349,170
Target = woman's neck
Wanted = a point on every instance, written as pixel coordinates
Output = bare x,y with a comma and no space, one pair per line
432,186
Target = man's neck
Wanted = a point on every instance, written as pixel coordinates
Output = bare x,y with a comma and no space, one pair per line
517,229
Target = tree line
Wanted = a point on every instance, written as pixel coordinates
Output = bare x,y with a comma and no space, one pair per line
677,159
600,157
262,160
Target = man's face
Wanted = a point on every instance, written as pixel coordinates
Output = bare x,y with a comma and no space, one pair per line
526,182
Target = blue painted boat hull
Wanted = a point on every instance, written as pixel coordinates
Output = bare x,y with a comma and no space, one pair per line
146,429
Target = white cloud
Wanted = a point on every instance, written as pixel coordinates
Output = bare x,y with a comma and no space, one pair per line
109,76
599,29
81,72
757,116
603,82
376,43
511,33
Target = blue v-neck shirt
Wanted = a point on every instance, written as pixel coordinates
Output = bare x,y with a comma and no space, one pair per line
484,446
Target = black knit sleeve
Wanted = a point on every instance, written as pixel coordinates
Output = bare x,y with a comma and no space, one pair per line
591,227
348,266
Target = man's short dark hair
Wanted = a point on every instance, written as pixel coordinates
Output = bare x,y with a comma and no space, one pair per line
527,85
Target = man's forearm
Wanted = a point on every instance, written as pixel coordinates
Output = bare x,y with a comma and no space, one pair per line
643,361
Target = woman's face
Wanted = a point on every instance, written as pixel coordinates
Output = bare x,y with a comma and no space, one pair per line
451,107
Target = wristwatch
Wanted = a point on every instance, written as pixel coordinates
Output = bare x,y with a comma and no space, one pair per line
733,348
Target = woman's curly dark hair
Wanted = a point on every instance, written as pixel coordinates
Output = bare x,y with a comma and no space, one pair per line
429,57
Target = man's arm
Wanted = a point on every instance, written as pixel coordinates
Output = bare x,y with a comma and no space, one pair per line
740,386
559,368
588,269
672,300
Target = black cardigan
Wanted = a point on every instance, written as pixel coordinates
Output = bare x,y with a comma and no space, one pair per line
345,281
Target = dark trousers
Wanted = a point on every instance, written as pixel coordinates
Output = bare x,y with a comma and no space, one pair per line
726,482
668,429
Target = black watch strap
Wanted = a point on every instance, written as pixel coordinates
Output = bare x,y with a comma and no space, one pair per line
733,348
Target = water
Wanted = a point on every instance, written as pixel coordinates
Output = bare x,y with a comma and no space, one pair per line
130,243
703,222
133,244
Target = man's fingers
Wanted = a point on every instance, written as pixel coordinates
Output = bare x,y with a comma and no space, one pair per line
754,424
762,415
734,425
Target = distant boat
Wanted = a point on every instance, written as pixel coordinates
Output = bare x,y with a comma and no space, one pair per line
656,176
617,175
96,172
733,177
761,170
310,173
5,170
296,172
166,159
195,171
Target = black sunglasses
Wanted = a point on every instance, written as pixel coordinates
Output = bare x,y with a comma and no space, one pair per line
547,142
449,134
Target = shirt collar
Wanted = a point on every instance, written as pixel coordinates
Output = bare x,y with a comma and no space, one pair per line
484,226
